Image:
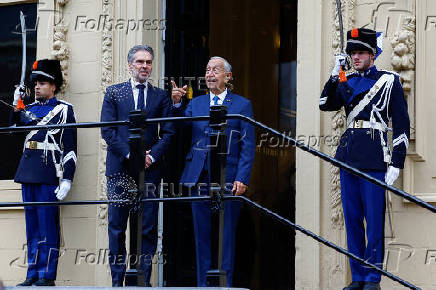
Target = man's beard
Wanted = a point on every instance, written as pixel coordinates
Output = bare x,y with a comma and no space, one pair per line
136,75
365,65
41,98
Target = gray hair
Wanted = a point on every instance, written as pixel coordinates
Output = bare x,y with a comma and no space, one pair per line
137,48
227,65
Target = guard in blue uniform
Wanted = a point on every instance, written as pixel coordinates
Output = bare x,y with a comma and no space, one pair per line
46,169
372,99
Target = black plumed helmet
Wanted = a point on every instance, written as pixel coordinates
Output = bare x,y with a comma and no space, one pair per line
362,39
47,70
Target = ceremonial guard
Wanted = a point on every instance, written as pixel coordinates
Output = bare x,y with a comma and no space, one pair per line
372,99
46,168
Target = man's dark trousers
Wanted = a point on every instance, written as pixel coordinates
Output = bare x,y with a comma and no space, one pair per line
118,216
201,213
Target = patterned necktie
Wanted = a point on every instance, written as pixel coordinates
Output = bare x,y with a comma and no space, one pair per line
215,100
141,88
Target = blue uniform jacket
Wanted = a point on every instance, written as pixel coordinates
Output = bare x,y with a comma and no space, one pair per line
37,167
359,147
240,140
118,102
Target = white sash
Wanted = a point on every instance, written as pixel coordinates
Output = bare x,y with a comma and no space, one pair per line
386,78
63,109
47,118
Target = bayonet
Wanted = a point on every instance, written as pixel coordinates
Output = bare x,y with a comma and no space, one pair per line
23,42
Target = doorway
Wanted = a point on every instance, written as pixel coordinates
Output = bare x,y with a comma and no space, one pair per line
258,38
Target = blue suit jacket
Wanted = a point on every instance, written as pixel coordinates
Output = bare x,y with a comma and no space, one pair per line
118,102
240,140
33,168
358,147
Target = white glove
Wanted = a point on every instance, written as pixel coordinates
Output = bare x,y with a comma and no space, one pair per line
19,92
340,59
391,175
63,189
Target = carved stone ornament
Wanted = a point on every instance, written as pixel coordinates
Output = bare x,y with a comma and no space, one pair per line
403,52
336,261
60,48
106,80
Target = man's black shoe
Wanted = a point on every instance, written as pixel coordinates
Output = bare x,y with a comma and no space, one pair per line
117,284
28,282
356,285
371,286
44,282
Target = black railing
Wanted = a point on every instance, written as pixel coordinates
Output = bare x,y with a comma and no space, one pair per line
217,194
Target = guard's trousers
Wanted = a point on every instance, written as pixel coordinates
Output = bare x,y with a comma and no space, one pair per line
42,231
364,200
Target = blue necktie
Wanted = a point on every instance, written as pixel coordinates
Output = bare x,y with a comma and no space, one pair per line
140,96
215,100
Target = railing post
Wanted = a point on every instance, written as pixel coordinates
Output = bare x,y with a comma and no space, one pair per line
135,275
216,276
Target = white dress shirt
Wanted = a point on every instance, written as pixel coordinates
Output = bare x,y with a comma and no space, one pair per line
135,98
136,92
221,97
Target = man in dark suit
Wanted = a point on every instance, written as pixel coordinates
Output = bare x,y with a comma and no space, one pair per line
240,150
372,99
119,100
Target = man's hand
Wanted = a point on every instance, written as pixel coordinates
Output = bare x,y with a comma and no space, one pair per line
148,160
340,60
239,188
63,189
392,175
19,92
178,93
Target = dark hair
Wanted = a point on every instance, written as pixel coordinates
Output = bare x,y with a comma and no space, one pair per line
137,48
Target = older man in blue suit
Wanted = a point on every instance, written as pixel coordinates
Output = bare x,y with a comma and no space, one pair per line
241,148
119,100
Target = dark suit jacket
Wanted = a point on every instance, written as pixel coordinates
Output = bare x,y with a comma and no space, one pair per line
240,143
118,102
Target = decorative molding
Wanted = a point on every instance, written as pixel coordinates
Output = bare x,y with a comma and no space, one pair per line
106,80
60,48
337,272
403,52
403,61
338,118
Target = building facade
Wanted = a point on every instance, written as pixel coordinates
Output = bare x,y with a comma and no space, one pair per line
287,52
409,239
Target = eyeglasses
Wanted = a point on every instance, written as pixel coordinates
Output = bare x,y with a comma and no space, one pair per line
215,70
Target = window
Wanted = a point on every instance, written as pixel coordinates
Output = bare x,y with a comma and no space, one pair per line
11,145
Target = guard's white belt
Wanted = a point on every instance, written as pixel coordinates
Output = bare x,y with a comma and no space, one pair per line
34,145
362,124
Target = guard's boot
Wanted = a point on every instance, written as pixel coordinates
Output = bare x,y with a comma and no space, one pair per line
356,285
371,286
28,282
44,282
